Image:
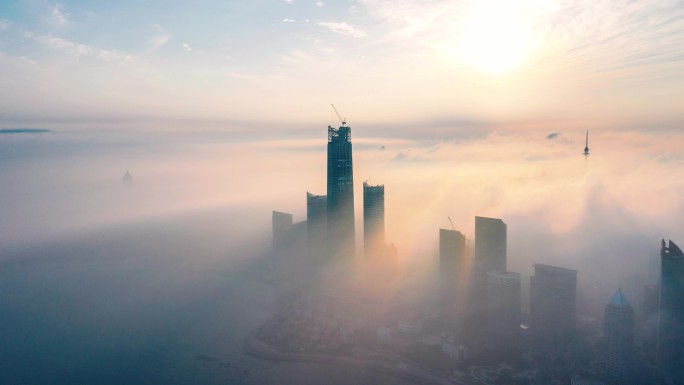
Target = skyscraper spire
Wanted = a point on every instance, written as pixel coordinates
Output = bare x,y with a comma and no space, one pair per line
586,145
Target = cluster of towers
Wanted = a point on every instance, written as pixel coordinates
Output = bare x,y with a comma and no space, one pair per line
479,299
482,302
330,220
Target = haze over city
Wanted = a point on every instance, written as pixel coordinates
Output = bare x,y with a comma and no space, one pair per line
217,112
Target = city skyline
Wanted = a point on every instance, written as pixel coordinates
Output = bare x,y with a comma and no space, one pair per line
515,176
492,324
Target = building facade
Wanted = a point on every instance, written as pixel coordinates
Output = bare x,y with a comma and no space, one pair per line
452,254
340,198
670,349
490,245
503,307
373,220
489,254
553,297
618,329
316,223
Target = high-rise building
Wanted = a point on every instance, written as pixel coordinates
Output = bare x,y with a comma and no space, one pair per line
489,254
503,307
670,348
452,247
553,296
618,330
373,220
316,223
490,245
340,229
282,224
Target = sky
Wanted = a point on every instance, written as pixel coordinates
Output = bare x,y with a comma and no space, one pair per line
404,66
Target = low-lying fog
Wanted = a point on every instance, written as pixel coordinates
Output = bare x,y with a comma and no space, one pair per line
103,278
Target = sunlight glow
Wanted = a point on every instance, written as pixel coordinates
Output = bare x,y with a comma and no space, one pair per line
497,36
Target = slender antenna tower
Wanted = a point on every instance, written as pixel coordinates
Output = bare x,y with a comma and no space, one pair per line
586,145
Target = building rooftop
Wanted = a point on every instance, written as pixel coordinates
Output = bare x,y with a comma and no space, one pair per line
619,299
368,186
671,250
555,269
504,274
487,219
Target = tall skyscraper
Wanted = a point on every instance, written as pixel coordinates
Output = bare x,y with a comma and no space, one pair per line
553,296
490,246
452,246
618,330
341,240
282,224
503,307
316,223
489,255
373,220
671,326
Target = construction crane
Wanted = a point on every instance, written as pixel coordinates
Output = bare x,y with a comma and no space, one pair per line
344,121
452,224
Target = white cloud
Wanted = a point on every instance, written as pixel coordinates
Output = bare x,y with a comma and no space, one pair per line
160,38
344,29
66,45
186,47
57,16
320,4
288,1
4,24
77,49
288,20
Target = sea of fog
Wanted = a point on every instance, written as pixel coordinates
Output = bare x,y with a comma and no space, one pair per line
156,280
143,303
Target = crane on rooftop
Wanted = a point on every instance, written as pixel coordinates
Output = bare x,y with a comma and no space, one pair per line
452,224
343,120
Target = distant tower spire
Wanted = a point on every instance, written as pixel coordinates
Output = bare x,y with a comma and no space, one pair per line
586,145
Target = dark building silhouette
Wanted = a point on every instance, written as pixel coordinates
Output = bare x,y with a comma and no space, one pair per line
340,229
670,349
553,296
618,330
282,224
503,307
127,178
373,220
316,222
489,255
452,253
490,246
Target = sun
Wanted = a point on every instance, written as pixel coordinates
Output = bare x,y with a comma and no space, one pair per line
496,37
